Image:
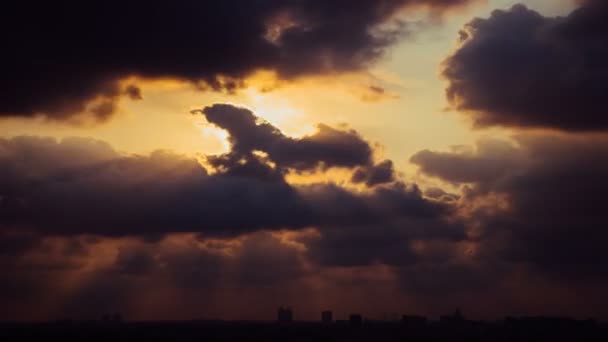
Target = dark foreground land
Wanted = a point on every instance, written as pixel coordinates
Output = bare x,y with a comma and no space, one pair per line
554,330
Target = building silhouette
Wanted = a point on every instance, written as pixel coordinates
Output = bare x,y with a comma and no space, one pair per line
113,318
355,320
285,315
456,317
327,317
413,321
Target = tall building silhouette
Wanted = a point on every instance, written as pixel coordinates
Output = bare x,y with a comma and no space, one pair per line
413,321
457,318
285,315
355,320
327,317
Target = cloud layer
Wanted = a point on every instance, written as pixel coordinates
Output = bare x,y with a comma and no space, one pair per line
60,56
82,186
83,227
540,201
77,209
518,68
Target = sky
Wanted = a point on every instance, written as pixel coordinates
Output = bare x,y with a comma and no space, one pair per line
217,159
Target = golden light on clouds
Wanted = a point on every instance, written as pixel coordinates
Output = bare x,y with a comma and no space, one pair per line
399,105
294,152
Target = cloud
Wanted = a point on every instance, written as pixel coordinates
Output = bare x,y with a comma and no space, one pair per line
84,228
183,276
81,186
262,260
327,147
380,173
250,136
518,68
429,255
114,273
134,92
135,261
67,192
554,188
63,55
391,244
488,161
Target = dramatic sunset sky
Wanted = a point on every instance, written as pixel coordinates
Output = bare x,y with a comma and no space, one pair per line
216,159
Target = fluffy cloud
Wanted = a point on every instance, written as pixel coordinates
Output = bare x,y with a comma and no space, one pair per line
518,68
527,255
490,160
81,186
381,173
328,147
78,210
62,55
389,244
551,210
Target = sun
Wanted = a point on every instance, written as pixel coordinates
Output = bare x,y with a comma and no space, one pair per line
279,112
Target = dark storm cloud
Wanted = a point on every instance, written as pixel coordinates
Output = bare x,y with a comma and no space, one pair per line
381,173
82,186
328,147
77,209
253,260
136,274
450,278
357,233
521,69
79,186
489,161
247,133
548,243
377,228
135,261
15,243
30,265
360,246
555,189
263,260
337,206
188,267
60,55
386,244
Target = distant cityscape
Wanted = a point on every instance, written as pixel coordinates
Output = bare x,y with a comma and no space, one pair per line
285,315
450,327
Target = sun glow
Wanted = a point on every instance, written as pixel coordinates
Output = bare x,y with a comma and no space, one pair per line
279,112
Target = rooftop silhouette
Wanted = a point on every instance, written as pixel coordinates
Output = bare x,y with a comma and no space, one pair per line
284,315
357,328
